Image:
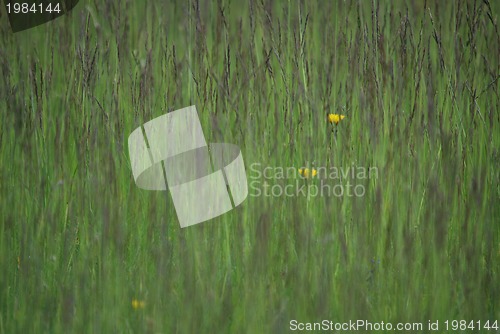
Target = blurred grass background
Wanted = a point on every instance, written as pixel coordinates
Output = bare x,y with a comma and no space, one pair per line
418,82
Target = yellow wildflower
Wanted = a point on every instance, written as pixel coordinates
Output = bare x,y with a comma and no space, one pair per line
335,118
305,172
137,304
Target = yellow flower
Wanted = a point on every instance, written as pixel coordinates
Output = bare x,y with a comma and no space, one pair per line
306,173
335,118
136,304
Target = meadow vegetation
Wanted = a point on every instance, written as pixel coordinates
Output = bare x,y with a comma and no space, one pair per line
83,250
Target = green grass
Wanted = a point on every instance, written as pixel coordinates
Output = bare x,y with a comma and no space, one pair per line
419,85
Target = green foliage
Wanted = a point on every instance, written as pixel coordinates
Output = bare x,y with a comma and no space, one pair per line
420,89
